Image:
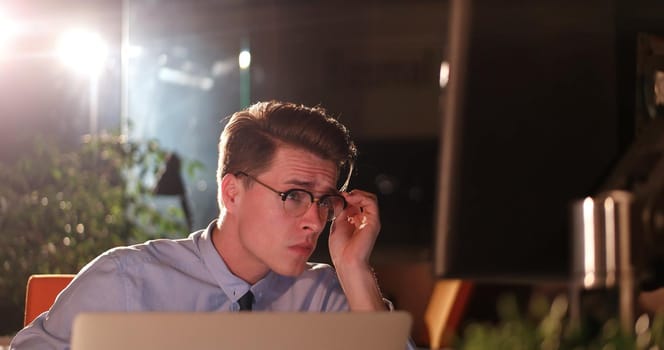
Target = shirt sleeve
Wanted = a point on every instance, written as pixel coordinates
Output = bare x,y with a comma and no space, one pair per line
97,288
334,297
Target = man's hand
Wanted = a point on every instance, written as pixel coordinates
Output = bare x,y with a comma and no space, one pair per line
354,232
352,238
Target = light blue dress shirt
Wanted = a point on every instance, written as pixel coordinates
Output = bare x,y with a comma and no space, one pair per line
175,275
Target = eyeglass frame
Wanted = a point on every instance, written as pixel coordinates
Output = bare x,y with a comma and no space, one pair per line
284,196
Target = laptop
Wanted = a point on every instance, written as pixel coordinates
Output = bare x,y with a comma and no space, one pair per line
241,330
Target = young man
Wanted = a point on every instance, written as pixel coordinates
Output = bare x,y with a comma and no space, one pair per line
279,164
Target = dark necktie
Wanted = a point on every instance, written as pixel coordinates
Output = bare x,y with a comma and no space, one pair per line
245,301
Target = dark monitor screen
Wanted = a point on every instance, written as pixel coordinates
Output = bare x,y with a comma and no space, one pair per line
530,124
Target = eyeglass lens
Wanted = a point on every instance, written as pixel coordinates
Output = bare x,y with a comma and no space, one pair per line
297,202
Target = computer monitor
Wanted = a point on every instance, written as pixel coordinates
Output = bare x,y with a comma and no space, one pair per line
530,124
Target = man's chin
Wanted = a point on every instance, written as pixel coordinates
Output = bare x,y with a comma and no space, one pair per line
290,271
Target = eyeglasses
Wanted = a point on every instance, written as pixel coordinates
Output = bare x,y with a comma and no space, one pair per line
298,201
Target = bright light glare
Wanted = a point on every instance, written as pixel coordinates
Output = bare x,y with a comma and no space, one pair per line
84,51
132,51
589,241
8,29
184,78
444,75
244,59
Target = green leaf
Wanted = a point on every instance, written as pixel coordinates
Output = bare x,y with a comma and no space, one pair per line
60,208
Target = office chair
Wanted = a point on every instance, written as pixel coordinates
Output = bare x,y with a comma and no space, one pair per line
40,293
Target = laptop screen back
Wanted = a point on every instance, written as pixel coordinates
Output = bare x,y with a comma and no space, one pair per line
251,330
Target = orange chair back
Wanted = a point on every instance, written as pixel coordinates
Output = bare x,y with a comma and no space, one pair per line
445,310
41,292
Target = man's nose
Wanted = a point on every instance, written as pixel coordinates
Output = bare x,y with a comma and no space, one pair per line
312,219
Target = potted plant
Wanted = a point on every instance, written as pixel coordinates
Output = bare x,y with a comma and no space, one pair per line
60,209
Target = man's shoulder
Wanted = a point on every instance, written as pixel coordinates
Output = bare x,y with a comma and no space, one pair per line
154,250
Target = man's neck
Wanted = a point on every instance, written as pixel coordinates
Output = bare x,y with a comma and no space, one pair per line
227,243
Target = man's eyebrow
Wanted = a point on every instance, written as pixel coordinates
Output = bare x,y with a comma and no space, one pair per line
309,185
301,183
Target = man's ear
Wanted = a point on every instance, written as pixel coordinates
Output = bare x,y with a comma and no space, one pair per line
231,190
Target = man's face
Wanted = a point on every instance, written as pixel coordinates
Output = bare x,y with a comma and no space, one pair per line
271,237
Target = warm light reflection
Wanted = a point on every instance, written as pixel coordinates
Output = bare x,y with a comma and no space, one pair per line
444,75
84,51
610,227
244,59
659,87
588,241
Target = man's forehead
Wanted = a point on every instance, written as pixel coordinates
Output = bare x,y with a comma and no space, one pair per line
298,166
313,185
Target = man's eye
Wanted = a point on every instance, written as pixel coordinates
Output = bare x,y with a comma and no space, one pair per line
325,203
296,196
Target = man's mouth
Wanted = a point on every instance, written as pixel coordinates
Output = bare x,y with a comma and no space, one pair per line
304,249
